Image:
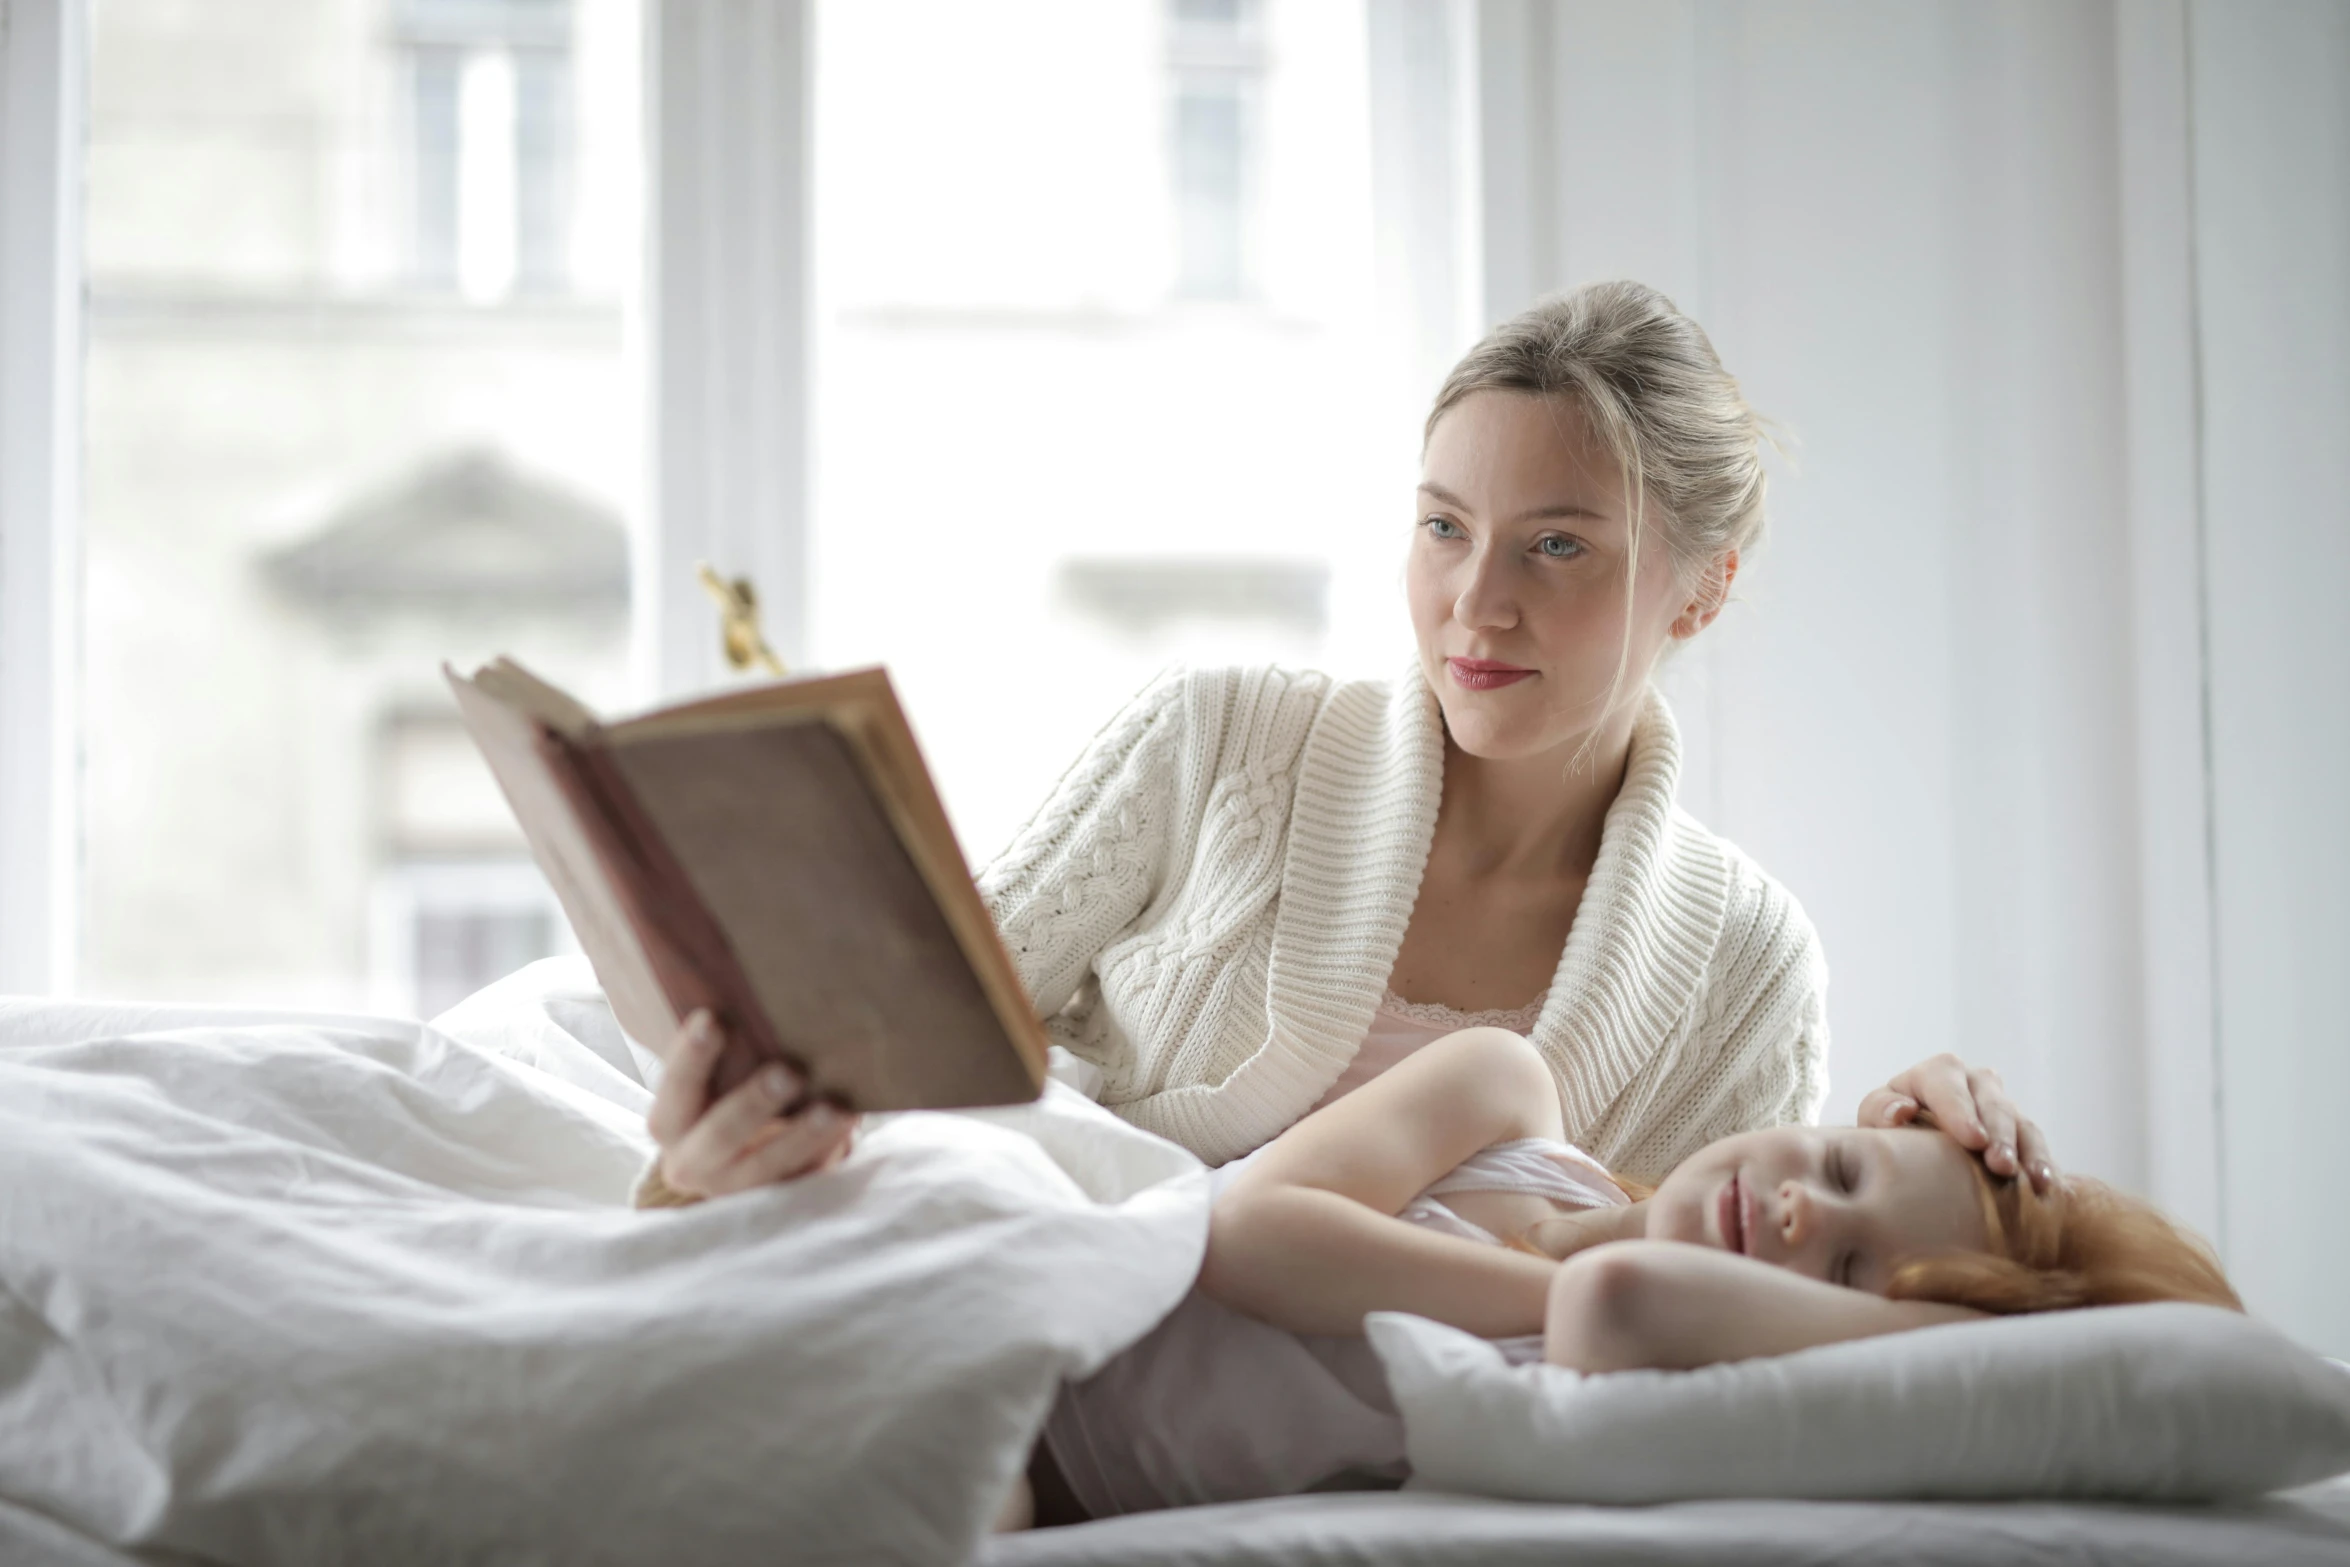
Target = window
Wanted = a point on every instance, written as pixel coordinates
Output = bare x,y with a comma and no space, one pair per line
439,932
1215,59
1042,470
1044,465
308,481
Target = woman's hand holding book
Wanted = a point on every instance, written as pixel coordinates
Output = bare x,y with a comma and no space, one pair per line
765,1129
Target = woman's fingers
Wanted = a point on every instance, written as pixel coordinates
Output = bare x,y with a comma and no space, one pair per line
743,1140
815,1139
698,1160
1887,1107
1997,1115
1941,1087
685,1079
2039,1162
2018,1147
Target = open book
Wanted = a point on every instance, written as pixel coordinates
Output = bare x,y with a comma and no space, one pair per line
778,855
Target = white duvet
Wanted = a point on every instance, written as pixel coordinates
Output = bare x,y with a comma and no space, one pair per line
307,1289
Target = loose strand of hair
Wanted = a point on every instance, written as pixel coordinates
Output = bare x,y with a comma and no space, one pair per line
1605,410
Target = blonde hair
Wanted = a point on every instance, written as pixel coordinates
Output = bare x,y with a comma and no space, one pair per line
1647,381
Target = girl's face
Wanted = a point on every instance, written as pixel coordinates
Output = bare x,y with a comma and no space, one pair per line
1516,576
1836,1203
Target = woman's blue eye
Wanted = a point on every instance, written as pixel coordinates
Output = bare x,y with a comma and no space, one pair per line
1443,527
1558,546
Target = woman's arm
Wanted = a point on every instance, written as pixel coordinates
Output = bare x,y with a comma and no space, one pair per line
1306,1237
1097,844
1669,1305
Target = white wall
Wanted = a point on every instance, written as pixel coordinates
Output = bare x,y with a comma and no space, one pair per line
2271,117
1940,244
1898,224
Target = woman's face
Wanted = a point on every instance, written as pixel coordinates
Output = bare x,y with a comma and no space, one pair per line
1842,1204
1516,576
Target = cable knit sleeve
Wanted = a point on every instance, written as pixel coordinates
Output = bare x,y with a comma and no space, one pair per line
1092,857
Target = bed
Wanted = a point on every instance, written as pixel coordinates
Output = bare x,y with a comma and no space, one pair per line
2308,1528
297,1288
2300,1529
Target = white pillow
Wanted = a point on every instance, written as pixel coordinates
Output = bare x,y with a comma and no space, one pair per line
2162,1402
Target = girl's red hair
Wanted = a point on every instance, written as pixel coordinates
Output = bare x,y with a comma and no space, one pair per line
2084,1244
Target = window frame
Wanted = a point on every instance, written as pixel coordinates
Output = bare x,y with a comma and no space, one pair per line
728,95
43,66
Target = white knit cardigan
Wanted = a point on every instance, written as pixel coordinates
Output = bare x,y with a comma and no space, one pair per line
1208,907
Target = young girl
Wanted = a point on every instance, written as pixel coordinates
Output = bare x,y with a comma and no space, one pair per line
1442,1188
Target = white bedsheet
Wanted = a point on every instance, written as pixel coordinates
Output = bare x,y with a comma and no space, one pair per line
303,1289
2308,1528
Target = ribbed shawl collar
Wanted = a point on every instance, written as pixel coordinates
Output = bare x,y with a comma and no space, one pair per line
1360,824
1363,819
1644,935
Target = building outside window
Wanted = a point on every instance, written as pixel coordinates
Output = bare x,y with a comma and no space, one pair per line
1098,386
488,94
1216,69
356,401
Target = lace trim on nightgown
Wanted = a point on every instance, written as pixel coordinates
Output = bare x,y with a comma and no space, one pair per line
1433,1014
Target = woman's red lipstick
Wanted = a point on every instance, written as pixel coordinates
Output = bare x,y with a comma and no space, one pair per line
1485,674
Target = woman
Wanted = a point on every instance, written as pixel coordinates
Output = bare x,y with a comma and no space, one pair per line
1258,889
1442,1189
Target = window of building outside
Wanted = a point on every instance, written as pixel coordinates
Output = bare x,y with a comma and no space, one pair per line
1097,387
356,401
485,91
1216,69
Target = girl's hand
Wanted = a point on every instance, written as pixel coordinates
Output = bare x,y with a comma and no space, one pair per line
1562,1235
747,1138
1971,1104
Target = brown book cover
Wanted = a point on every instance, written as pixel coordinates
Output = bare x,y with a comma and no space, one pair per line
779,855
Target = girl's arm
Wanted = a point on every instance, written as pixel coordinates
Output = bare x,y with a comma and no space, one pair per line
1670,1305
1306,1239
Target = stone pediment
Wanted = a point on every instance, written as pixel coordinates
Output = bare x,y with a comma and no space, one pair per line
459,535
